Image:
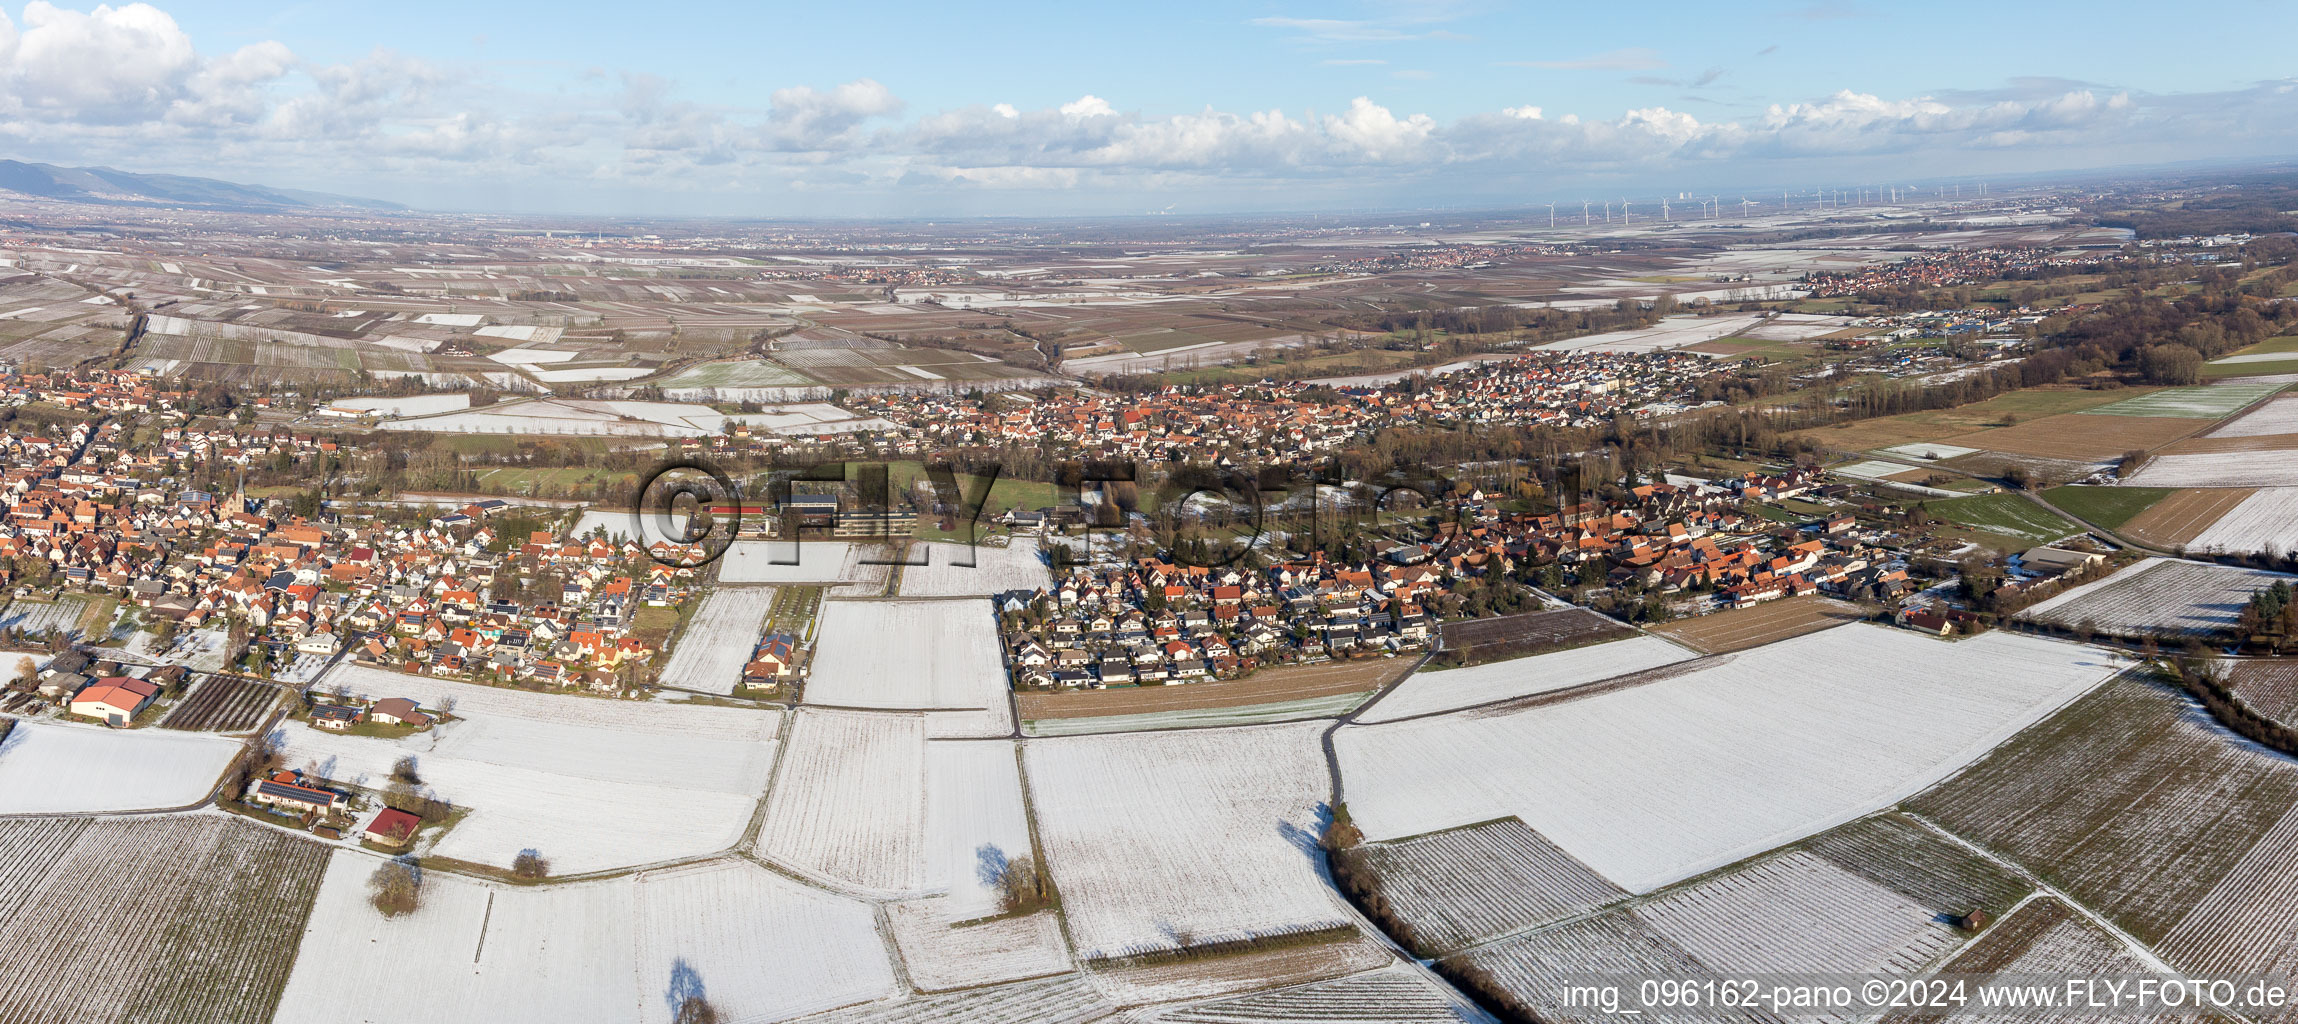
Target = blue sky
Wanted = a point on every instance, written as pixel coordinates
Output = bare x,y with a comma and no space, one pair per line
940,109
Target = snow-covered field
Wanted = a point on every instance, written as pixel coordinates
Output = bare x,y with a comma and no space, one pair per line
782,561
1426,692
2219,469
585,417
849,802
411,405
1661,781
2266,521
592,784
620,525
1928,451
1164,840
942,953
910,654
992,570
1673,332
58,767
864,800
2278,416
2163,597
759,946
717,642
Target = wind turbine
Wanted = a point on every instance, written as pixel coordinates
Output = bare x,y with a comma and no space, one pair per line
1743,204
1583,213
1663,208
1624,218
1715,206
1551,215
1607,211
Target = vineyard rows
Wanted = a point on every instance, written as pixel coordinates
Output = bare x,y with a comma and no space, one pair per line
2248,924
222,704
1394,995
2158,597
1466,885
1067,999
206,932
1920,864
1797,913
942,954
2131,800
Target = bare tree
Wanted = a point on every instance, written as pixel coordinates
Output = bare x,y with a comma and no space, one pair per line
1021,888
530,864
396,888
696,1010
404,770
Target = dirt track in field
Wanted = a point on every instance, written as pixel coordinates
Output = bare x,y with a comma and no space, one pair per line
1266,686
2080,437
1742,628
2177,519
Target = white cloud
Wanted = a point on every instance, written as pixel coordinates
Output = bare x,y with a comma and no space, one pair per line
110,65
805,119
1086,106
1370,129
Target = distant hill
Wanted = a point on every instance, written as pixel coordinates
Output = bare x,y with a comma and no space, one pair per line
105,185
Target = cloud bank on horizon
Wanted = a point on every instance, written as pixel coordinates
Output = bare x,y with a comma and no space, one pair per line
129,87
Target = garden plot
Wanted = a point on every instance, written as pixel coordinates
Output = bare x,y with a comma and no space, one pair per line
2203,402
592,784
60,768
1653,783
1425,692
758,946
910,654
993,570
1465,885
205,932
2266,521
717,641
1163,841
850,803
782,561
2279,416
2132,800
2157,597
2218,469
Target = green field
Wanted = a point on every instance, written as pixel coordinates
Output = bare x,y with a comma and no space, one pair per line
2107,506
2205,402
2007,515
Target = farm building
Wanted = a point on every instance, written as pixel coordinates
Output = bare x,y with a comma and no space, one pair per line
114,700
292,791
392,827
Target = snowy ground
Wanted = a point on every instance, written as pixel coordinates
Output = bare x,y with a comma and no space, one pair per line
1673,332
718,640
57,767
2163,597
2219,469
760,947
763,561
1658,782
1427,692
959,570
2279,416
910,654
593,784
1162,840
2267,521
